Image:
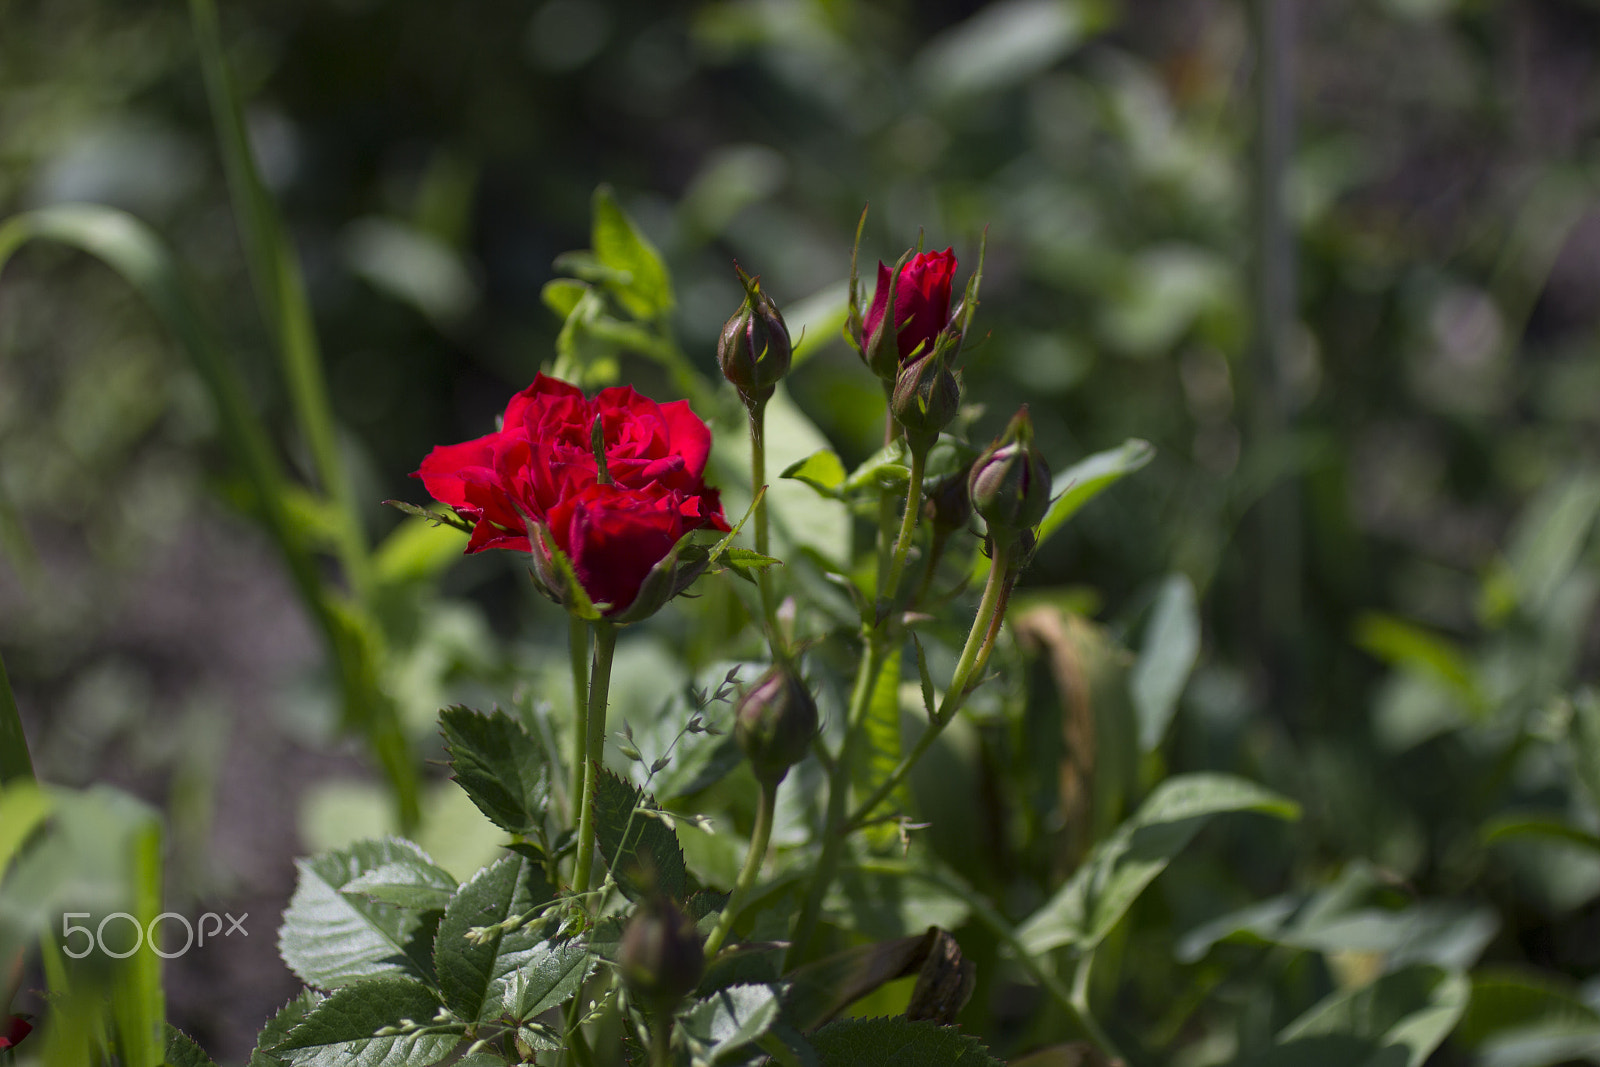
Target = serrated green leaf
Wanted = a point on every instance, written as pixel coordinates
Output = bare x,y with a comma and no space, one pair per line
503,769
183,1052
643,854
647,291
732,1018
1088,478
279,1026
1411,1010
747,558
342,1031
1086,908
822,471
1171,646
329,939
407,884
472,975
898,1042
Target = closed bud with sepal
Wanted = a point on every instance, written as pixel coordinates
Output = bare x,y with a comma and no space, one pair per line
775,722
1010,481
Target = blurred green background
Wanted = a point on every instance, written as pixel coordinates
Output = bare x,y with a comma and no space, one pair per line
1385,498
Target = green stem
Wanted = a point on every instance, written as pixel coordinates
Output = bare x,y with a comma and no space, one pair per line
978,639
578,647
838,797
605,642
661,1040
759,838
15,766
941,537
908,527
758,479
1080,1006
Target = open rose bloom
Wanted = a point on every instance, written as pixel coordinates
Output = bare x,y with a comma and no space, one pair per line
536,484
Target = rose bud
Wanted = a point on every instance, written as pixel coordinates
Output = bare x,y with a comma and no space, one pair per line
13,1029
754,348
661,958
948,506
921,312
1010,481
774,724
927,395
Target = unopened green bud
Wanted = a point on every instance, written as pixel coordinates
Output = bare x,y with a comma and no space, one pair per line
661,958
774,723
948,506
1010,481
927,395
754,350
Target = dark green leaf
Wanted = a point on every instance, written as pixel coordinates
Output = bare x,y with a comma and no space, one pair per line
278,1027
329,939
472,976
1412,1010
183,1052
343,1029
643,854
407,884
898,1042
731,1019
505,771
1084,910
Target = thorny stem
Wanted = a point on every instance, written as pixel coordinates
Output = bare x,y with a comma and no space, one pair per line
759,838
979,640
605,641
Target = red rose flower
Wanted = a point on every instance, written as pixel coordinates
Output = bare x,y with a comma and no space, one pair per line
12,1030
540,467
921,301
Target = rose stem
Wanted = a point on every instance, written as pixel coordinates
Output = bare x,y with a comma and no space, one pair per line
941,534
908,526
759,838
661,1039
981,638
838,796
758,479
605,641
578,645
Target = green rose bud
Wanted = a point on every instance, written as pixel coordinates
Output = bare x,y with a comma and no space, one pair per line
1010,481
754,350
661,959
774,724
927,395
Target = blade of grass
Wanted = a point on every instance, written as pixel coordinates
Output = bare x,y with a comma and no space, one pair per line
133,251
15,766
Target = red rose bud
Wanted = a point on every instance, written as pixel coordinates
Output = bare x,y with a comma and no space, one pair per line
661,958
1010,481
13,1029
774,724
921,311
754,350
927,395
